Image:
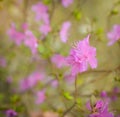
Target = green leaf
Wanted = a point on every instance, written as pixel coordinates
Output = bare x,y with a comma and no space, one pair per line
47,2
15,99
67,96
77,14
93,100
114,12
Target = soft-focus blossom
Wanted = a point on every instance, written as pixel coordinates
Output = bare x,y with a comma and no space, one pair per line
45,29
103,94
11,113
3,62
31,41
41,12
40,97
69,78
30,81
16,36
81,55
54,83
58,60
66,3
24,26
114,35
100,109
9,79
115,93
64,31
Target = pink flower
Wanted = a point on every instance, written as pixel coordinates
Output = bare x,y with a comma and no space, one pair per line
54,83
58,60
45,29
100,109
31,41
66,3
30,81
41,12
24,26
11,113
81,55
114,35
64,31
15,36
40,97
3,62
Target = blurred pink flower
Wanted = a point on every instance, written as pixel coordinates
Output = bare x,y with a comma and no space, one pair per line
66,3
100,109
15,36
9,79
58,60
40,97
11,113
3,62
114,35
30,81
81,55
45,29
24,26
31,41
54,83
41,12
64,31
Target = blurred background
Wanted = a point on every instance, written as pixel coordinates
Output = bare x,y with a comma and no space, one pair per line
55,85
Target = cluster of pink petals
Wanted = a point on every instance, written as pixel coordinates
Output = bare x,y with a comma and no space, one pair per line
41,12
58,60
26,37
15,35
54,83
30,81
11,113
66,3
3,62
64,31
31,41
40,97
81,55
114,35
45,29
100,109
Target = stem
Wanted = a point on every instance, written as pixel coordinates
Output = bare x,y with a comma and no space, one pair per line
75,97
69,109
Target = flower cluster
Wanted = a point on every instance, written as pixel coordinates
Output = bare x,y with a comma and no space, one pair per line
64,31
114,35
81,55
100,109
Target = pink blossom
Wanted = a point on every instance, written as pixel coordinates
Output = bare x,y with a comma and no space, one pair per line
30,81
24,26
15,36
58,60
31,41
3,62
81,55
66,3
64,31
9,79
114,35
11,113
100,109
45,29
40,97
41,12
54,83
